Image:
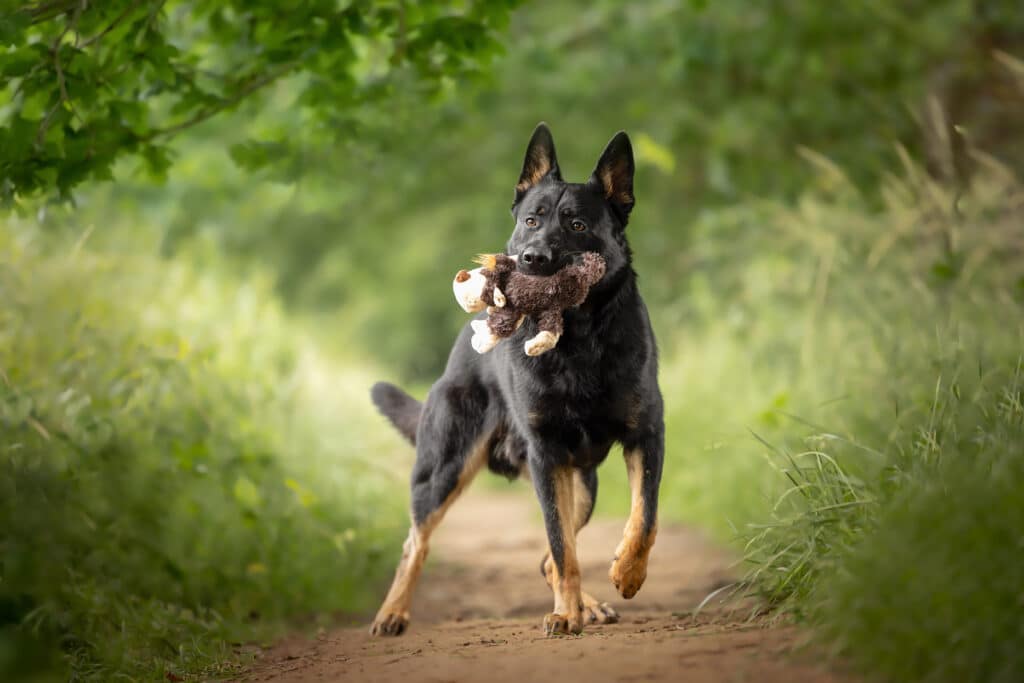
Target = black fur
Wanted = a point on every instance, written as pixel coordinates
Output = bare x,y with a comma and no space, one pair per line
568,406
400,408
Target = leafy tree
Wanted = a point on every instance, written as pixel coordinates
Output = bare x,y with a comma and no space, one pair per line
89,82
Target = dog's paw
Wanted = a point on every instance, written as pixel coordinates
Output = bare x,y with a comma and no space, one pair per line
628,572
543,341
560,625
390,624
596,612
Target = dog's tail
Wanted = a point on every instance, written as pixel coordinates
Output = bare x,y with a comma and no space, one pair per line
401,409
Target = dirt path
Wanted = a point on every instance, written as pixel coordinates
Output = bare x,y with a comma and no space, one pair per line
478,611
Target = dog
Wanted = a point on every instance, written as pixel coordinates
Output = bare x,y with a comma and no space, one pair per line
554,417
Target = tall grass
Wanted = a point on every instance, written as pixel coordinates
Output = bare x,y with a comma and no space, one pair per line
899,505
842,380
173,475
930,590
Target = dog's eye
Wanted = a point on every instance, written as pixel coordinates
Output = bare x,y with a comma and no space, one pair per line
531,222
578,225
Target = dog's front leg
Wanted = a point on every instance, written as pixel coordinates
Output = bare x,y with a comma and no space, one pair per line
643,464
554,485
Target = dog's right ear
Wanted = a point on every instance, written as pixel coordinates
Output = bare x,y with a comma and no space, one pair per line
540,161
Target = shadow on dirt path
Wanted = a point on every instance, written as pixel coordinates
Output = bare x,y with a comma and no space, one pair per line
478,610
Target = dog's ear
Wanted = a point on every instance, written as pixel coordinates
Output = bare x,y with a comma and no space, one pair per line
613,176
540,161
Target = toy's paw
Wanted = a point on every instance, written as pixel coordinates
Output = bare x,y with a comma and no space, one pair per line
543,342
499,297
483,338
390,624
468,287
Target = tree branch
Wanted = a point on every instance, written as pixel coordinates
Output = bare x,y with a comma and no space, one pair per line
44,11
112,25
209,112
61,82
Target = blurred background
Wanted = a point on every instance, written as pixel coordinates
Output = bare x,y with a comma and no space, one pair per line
223,221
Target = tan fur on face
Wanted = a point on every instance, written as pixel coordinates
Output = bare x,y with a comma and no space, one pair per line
393,616
629,569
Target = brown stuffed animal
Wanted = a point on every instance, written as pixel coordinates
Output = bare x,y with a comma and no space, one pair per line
509,295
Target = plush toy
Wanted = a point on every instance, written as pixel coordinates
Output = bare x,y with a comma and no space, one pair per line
509,295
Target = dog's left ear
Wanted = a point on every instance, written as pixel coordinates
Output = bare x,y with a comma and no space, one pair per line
613,175
540,161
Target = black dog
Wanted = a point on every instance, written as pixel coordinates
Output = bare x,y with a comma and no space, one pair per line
553,416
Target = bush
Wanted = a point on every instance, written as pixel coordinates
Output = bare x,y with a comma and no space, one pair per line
170,481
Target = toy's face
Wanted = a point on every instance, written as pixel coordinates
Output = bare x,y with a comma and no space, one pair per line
469,287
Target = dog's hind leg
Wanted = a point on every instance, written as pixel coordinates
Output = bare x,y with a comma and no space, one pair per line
584,496
449,453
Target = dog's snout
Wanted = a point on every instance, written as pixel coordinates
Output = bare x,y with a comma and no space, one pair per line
537,259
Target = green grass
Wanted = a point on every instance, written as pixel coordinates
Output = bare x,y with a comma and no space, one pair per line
931,588
180,467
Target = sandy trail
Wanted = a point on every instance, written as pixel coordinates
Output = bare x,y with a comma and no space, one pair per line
478,610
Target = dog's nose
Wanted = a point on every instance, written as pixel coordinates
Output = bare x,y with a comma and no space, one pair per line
537,257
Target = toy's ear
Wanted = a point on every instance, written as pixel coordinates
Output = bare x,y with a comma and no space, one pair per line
540,161
613,175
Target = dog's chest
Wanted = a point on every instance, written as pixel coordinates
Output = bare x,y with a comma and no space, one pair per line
581,413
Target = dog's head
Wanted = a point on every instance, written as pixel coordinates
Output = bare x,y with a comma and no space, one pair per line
556,221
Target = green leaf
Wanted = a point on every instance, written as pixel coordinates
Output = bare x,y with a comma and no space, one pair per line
246,492
36,104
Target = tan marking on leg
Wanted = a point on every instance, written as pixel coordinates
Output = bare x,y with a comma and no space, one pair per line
593,610
582,502
393,616
629,568
566,615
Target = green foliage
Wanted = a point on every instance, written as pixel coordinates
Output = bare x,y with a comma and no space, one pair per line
87,83
897,504
942,551
189,456
722,100
170,477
